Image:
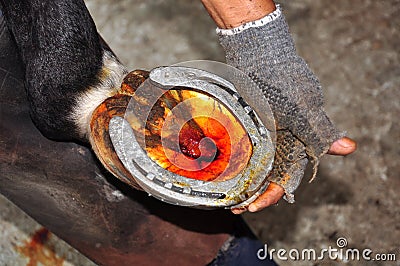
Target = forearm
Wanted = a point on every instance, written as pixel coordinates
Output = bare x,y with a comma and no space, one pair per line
230,14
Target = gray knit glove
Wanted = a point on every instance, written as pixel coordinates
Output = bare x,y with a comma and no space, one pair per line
265,51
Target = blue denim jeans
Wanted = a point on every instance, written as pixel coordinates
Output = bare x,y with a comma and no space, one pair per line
242,249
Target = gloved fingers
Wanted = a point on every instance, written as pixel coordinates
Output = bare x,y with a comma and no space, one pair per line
319,134
286,183
289,164
293,173
288,170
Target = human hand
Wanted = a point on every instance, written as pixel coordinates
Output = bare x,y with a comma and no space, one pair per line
265,51
274,192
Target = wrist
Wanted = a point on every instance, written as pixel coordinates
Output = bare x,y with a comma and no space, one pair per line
265,41
253,24
231,14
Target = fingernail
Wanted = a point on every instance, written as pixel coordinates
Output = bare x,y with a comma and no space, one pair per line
343,146
252,208
238,210
346,143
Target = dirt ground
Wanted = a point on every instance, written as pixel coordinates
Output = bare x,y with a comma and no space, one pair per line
354,48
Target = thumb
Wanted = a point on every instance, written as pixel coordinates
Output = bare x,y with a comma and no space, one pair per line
343,146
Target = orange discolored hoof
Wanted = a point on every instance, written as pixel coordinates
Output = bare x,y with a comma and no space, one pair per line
195,144
196,136
99,126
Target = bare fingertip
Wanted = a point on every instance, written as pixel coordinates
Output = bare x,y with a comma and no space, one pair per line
252,208
238,210
343,146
